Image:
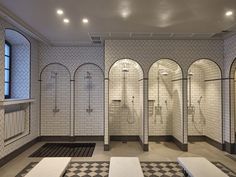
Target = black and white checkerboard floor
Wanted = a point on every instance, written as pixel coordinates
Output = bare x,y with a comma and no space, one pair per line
101,169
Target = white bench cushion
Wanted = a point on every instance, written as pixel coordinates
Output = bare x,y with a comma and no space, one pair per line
200,167
50,167
125,167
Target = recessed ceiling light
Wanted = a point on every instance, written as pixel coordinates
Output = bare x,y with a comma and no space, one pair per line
66,20
60,12
85,20
229,13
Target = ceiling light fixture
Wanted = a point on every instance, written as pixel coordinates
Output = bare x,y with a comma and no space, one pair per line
85,20
229,13
60,12
66,20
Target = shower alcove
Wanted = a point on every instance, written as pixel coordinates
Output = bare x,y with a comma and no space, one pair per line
165,101
126,101
205,103
232,95
55,100
89,101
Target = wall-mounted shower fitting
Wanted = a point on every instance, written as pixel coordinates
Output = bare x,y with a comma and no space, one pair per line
200,99
158,109
89,86
151,107
166,102
54,76
191,109
131,120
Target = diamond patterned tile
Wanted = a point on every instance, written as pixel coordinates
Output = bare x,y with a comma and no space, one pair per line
101,169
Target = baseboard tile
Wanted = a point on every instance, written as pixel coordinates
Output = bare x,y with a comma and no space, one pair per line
169,138
72,138
18,151
124,138
208,140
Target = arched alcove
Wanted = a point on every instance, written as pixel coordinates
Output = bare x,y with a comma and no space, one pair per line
89,101
18,47
125,100
205,102
165,101
55,100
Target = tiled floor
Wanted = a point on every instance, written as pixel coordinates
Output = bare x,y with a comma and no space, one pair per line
101,169
157,152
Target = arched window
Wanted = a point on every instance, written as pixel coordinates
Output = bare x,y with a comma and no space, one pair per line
17,65
7,69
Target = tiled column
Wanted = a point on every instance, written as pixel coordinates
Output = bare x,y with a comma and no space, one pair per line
185,115
106,121
145,114
228,114
2,56
72,107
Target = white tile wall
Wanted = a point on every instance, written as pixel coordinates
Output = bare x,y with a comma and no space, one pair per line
162,124
124,115
74,58
55,123
183,52
89,123
197,122
207,119
229,115
177,124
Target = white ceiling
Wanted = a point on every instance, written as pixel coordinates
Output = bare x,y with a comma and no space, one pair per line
145,19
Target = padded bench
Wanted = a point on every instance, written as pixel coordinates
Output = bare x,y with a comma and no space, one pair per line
50,167
125,167
199,167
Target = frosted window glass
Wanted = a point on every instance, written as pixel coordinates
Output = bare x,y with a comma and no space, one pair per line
7,50
7,75
7,62
6,88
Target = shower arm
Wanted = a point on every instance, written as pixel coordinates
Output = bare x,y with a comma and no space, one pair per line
158,89
55,94
89,110
190,92
124,88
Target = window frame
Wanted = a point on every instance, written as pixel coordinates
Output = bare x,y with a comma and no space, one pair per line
10,58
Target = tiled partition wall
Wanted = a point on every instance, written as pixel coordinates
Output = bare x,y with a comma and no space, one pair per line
229,82
34,93
73,91
146,52
178,123
213,101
